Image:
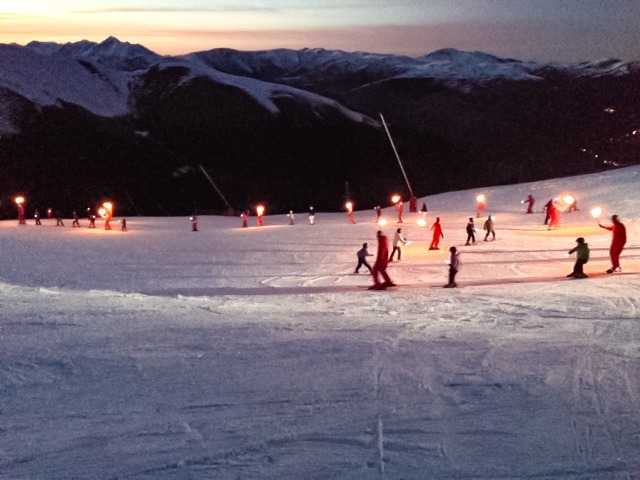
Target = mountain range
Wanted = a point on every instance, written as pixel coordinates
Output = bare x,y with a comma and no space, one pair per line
223,130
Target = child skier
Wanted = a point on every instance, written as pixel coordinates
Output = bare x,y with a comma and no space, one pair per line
362,254
471,231
454,263
582,254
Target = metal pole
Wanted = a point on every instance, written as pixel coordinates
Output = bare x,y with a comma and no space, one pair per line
397,156
214,186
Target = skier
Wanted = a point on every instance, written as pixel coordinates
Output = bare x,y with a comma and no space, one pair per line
482,202
260,215
107,222
349,207
292,218
554,214
423,211
362,255
76,220
471,232
194,222
36,215
380,265
21,215
489,228
123,222
530,201
547,211
312,216
378,210
400,211
92,221
436,228
245,219
454,263
582,257
59,222
398,241
618,240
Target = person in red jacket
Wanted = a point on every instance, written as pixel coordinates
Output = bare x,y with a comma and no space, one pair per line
530,202
400,211
436,228
618,240
245,219
554,214
380,266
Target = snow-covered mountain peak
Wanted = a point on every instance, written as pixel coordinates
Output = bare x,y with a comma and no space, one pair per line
111,52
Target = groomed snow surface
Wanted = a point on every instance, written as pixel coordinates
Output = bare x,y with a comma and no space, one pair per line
231,353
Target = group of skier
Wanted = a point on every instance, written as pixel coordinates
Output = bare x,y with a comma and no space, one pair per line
381,278
76,219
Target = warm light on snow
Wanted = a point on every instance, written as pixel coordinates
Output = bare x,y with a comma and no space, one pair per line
165,354
569,200
382,222
422,222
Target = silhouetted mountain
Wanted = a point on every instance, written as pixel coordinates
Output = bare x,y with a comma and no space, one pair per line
81,122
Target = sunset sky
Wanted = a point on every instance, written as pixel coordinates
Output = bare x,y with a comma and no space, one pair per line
542,30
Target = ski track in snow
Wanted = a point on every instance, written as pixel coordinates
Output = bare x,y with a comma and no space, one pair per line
188,360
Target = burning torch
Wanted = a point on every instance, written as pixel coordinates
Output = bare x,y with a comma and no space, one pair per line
260,214
21,216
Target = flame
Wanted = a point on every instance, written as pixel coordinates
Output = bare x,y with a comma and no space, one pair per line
260,210
396,198
596,212
569,199
349,206
480,198
382,222
102,212
422,222
19,200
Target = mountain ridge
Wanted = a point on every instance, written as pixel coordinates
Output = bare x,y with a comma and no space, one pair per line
294,125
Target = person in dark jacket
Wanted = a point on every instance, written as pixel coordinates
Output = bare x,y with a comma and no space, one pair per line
618,241
582,257
471,231
454,264
378,210
362,255
380,265
76,220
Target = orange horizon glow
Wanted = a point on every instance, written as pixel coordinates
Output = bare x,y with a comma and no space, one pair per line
381,27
